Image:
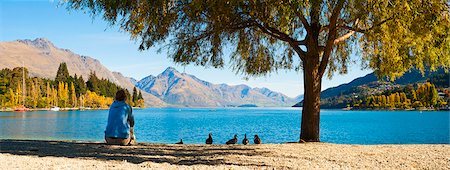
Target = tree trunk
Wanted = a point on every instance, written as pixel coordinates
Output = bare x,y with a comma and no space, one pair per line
311,104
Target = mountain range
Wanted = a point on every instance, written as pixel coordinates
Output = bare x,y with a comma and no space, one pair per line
170,88
184,89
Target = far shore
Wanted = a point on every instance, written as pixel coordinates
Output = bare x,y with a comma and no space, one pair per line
48,109
396,109
39,154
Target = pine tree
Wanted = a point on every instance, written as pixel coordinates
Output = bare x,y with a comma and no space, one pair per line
140,96
93,83
63,73
135,95
80,86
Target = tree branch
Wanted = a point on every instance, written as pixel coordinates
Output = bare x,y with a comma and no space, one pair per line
331,36
302,18
300,52
343,37
346,36
278,34
366,29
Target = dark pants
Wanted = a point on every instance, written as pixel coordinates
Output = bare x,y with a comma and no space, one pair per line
121,141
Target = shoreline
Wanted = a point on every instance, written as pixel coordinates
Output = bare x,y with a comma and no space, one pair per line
39,154
48,109
394,109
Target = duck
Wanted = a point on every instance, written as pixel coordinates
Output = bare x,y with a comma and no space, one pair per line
245,140
209,141
257,140
232,141
180,142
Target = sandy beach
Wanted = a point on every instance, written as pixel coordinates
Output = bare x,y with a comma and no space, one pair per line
32,154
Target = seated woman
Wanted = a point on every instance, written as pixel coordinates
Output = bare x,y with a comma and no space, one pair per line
119,130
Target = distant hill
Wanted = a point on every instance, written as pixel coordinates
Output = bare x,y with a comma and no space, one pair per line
183,89
42,58
370,80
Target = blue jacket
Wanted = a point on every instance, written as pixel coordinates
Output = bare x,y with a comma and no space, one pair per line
120,119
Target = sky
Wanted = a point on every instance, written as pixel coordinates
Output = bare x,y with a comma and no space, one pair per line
84,35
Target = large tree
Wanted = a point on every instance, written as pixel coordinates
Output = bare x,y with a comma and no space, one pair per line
62,75
318,37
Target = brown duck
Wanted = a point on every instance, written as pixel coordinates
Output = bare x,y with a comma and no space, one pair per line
245,140
257,140
232,141
209,141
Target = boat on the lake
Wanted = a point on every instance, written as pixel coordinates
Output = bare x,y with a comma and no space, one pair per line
55,108
21,108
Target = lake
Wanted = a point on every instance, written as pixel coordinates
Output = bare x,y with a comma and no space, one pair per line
273,125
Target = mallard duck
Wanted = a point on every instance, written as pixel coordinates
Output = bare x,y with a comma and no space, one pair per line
209,141
180,142
232,141
245,140
257,140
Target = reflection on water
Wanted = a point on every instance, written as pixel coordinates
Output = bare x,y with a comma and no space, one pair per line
274,125
34,114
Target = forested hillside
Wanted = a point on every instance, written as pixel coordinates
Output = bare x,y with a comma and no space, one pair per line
64,91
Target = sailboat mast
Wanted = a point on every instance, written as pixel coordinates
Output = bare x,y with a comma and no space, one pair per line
23,84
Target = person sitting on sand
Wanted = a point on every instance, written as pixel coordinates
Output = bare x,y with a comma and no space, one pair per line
119,130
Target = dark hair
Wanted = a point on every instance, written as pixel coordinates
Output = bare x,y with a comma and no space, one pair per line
120,95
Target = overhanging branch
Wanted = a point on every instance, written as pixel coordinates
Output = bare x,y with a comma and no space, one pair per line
265,28
363,30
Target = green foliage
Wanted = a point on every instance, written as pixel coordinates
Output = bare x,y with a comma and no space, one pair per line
441,80
93,83
392,36
3,83
140,95
135,95
80,85
62,75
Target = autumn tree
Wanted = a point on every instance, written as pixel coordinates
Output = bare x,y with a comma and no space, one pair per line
317,36
73,95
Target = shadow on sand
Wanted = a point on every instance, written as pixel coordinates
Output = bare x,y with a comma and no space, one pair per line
157,153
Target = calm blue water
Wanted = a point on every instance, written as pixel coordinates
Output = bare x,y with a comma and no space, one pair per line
273,125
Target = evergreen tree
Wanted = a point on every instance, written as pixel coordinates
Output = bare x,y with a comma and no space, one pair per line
80,86
63,73
140,96
93,83
3,83
135,95
129,101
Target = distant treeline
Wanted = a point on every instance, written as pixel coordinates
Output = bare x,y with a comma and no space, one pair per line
422,96
65,91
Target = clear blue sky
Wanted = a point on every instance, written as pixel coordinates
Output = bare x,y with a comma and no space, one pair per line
95,38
